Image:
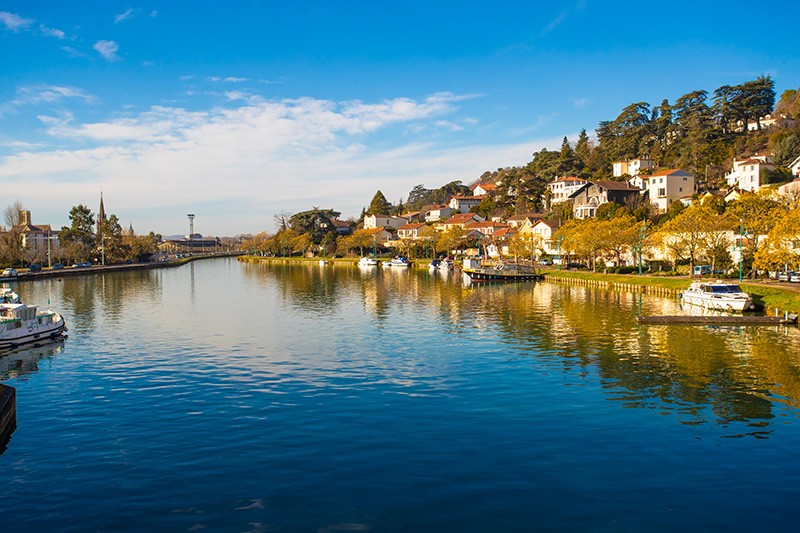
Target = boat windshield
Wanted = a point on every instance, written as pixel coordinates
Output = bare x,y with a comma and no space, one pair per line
726,289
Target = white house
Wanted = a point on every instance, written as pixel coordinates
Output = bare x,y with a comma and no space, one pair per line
383,221
632,167
768,121
669,186
482,189
410,231
435,213
747,174
544,231
794,166
791,189
461,220
464,203
562,188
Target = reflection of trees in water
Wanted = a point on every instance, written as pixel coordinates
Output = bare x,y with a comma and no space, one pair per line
699,374
733,374
115,291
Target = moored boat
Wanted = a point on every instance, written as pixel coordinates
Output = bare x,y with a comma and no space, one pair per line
397,262
502,271
367,262
22,324
717,295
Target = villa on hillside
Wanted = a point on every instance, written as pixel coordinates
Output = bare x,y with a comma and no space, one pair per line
632,167
435,213
383,221
667,186
464,203
520,221
486,228
460,220
593,195
561,189
747,174
767,121
410,230
482,189
794,167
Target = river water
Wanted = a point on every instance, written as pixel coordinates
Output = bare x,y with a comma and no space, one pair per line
237,397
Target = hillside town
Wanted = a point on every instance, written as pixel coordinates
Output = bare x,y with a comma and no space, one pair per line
663,188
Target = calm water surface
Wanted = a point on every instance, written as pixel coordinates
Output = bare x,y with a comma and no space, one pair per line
235,397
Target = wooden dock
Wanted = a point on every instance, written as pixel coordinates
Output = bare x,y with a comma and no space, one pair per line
725,320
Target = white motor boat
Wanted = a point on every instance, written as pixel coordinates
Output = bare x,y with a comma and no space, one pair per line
397,262
22,324
367,262
718,295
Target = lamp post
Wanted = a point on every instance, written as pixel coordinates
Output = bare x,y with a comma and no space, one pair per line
741,257
558,249
642,235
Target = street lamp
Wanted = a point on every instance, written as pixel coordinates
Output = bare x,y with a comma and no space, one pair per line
642,235
558,249
742,234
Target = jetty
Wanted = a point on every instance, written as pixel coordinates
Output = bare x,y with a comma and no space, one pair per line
711,320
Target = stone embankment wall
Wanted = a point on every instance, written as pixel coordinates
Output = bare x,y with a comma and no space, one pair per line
631,287
8,412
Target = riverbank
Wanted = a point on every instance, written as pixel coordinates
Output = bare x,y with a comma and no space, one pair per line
33,276
768,295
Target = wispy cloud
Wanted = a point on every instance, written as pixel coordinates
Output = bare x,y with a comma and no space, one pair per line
107,49
154,157
45,95
561,17
14,22
579,103
228,79
124,16
17,23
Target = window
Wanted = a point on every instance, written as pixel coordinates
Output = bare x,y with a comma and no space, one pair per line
662,192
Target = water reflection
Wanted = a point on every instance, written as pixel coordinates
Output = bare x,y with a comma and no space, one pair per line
701,375
17,363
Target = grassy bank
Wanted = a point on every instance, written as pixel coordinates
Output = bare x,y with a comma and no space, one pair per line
769,295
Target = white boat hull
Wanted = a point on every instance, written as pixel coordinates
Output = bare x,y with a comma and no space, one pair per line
718,296
29,331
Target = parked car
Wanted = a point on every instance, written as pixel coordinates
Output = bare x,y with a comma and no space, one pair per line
9,273
83,264
784,276
57,266
545,262
795,277
35,267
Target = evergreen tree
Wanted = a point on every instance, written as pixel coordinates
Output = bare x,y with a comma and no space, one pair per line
379,205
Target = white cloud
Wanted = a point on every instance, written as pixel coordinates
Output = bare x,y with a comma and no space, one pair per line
107,49
52,32
14,22
256,159
124,16
579,103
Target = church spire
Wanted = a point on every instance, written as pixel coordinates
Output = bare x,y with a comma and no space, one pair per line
101,214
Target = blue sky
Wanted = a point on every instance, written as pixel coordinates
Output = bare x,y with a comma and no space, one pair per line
236,111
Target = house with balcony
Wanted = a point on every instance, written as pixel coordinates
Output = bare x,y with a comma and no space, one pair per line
748,174
593,195
668,186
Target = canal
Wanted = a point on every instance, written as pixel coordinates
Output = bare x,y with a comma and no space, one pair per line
243,397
